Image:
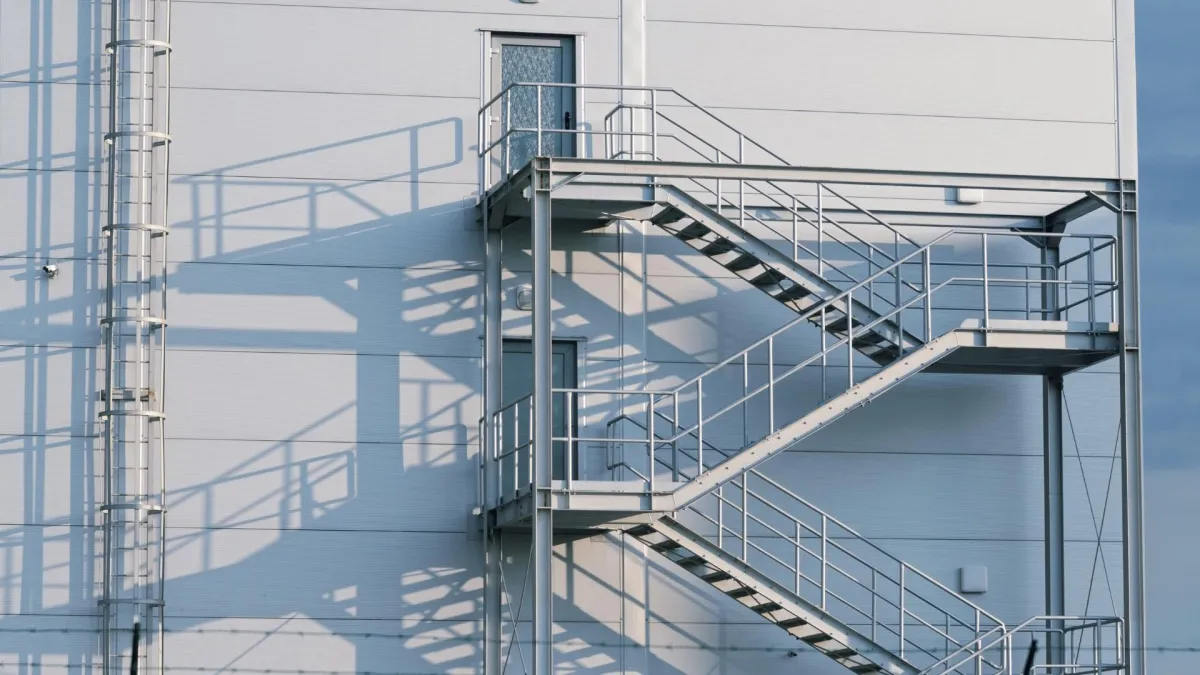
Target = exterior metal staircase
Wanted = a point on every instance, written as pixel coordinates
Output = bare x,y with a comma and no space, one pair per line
887,306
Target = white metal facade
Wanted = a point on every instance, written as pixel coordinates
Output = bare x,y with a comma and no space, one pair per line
325,307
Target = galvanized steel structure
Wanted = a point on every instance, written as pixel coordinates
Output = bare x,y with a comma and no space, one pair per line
890,293
132,400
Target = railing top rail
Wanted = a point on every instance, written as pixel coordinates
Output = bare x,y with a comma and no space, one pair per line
829,518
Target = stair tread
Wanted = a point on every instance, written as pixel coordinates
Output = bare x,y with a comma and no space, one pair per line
716,577
767,607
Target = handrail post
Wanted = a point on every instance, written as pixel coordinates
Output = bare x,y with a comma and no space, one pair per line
650,471
824,558
720,192
927,273
1091,272
568,459
903,615
874,602
675,437
538,150
699,426
654,124
745,399
745,518
986,289
508,132
795,229
820,230
798,558
771,385
850,338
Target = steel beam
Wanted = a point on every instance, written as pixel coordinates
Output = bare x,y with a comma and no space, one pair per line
1131,434
606,167
543,381
493,547
1052,474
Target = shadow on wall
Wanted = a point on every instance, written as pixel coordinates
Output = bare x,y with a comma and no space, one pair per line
279,551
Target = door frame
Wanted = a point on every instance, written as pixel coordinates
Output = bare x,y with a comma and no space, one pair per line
570,350
573,98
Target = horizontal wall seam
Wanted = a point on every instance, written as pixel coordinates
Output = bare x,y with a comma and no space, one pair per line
414,10
857,29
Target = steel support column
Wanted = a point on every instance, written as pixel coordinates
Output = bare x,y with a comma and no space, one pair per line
1052,473
1131,433
493,548
543,381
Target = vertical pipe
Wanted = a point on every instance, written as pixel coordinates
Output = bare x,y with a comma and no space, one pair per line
492,353
720,190
1134,602
543,381
1054,531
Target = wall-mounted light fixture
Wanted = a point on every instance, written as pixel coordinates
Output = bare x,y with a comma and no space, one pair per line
50,269
524,298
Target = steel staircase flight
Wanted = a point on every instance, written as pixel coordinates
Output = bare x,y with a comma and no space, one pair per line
767,269
973,345
691,463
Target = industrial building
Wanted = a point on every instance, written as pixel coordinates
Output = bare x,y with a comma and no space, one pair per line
609,336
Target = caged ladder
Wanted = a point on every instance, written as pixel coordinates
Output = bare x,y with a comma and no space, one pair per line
133,323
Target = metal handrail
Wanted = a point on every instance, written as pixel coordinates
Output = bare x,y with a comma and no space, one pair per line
827,540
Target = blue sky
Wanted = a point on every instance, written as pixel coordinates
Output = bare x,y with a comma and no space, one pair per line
1168,39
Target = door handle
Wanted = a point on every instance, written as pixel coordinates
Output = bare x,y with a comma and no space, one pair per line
567,120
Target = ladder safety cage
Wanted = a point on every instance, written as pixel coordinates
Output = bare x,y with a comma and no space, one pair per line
133,322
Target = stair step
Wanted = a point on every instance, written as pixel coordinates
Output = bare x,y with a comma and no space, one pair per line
816,638
843,653
796,292
664,546
867,668
716,577
640,530
788,624
768,278
718,247
767,607
693,231
690,561
743,262
741,592
669,215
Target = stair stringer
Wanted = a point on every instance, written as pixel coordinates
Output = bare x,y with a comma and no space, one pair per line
855,397
821,288
818,629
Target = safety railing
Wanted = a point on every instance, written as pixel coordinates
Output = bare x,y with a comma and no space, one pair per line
1087,645
753,393
743,391
830,565
518,123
